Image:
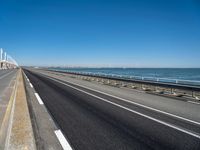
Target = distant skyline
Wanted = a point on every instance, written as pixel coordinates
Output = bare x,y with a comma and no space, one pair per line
102,33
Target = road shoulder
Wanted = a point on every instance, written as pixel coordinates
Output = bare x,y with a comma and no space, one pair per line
42,122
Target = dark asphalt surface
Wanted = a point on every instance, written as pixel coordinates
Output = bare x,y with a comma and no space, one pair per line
92,124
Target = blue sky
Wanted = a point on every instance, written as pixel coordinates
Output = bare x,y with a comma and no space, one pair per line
143,33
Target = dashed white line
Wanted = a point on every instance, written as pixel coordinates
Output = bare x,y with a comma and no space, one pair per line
31,85
138,113
25,76
39,99
65,145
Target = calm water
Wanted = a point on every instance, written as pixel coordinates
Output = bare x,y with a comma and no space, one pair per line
181,74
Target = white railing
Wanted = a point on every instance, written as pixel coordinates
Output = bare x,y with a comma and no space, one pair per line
6,61
143,78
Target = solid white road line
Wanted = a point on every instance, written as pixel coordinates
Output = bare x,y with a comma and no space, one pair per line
138,113
65,145
31,85
39,99
135,103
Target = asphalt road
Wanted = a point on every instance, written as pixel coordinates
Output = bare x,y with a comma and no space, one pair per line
5,79
180,107
92,120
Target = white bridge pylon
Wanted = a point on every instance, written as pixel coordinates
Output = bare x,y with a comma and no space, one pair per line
6,61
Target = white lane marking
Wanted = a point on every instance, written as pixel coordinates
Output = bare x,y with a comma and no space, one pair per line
1,77
193,102
28,80
31,85
24,74
39,99
26,77
138,104
65,145
138,113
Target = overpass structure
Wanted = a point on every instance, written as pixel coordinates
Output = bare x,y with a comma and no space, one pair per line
6,61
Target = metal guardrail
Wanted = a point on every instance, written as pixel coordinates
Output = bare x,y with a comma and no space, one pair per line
162,82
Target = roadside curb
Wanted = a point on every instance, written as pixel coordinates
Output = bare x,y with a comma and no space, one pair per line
17,129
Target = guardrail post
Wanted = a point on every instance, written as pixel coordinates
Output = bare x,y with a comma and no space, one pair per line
108,82
193,94
156,88
172,90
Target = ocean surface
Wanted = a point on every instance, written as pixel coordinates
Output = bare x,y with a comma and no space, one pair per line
192,74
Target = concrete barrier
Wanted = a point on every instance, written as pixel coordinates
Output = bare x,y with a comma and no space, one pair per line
19,133
152,87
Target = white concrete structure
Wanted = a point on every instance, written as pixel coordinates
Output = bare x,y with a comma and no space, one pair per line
1,54
6,61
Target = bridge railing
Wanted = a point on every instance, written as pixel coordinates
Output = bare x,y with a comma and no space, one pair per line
142,78
166,86
6,61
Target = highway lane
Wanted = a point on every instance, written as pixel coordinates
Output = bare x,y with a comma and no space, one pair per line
91,123
3,73
180,108
5,79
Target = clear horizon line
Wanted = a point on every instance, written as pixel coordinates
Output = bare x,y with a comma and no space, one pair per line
61,66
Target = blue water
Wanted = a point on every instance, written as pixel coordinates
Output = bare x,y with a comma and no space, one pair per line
175,73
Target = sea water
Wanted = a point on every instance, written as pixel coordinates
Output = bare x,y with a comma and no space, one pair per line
192,74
